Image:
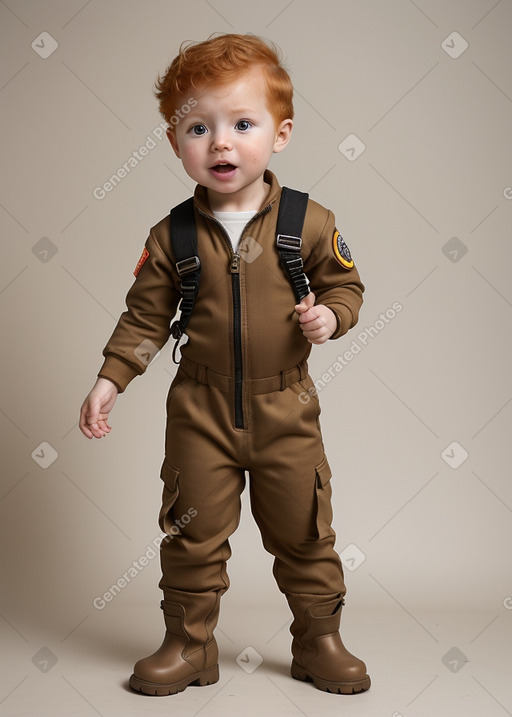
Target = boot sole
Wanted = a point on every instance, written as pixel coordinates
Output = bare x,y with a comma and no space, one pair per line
199,679
337,688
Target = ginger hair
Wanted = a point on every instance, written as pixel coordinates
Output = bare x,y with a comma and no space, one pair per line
220,60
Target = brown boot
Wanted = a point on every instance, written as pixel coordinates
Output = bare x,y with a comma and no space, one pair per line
188,655
319,655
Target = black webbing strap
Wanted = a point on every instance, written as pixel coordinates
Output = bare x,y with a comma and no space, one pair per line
290,221
188,265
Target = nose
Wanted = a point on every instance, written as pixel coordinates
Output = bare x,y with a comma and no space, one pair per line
221,142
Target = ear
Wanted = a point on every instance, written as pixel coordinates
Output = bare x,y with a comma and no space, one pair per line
171,136
283,134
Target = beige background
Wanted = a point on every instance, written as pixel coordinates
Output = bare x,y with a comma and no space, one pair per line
426,209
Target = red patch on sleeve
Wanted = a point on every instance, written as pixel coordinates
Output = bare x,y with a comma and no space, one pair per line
140,263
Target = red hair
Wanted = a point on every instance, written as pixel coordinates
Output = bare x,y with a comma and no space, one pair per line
222,59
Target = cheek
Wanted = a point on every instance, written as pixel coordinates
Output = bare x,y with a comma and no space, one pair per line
256,153
191,154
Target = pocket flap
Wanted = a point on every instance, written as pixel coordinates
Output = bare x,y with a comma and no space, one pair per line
323,473
169,474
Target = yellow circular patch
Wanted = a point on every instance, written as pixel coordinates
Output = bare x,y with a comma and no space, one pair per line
341,251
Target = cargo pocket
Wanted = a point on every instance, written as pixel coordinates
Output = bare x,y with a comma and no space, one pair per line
323,499
170,476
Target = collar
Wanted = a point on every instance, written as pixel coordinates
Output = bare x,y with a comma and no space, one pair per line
201,195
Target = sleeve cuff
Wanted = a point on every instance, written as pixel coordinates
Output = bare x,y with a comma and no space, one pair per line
117,371
343,321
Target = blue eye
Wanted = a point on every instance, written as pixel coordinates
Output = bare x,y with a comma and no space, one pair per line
243,125
199,129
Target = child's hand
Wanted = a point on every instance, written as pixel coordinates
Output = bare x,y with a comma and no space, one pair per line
96,407
318,323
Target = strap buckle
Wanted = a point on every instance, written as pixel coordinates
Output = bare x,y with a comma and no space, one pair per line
288,242
187,266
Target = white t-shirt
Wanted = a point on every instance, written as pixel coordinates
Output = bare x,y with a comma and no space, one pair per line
234,223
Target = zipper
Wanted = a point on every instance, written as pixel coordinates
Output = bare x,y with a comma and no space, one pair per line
234,268
237,340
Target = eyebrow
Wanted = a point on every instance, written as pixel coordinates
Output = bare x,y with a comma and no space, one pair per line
242,110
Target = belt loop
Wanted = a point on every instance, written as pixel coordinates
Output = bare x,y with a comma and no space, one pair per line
302,371
283,380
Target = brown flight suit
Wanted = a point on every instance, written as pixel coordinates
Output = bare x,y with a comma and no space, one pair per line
241,400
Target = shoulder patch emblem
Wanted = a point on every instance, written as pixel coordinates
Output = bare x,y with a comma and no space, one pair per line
143,257
341,251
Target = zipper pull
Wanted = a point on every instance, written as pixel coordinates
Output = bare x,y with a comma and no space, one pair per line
235,264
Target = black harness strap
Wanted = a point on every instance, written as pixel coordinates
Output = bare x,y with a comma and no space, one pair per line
188,265
290,222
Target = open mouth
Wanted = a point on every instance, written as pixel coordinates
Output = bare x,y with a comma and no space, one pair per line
223,167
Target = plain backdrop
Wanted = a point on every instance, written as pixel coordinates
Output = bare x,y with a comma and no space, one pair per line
402,128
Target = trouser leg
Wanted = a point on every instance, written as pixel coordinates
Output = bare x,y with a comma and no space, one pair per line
200,509
291,502
291,493
202,487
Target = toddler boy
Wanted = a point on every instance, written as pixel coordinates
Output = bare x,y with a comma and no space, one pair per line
242,399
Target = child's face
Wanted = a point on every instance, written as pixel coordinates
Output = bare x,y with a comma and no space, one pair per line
226,141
